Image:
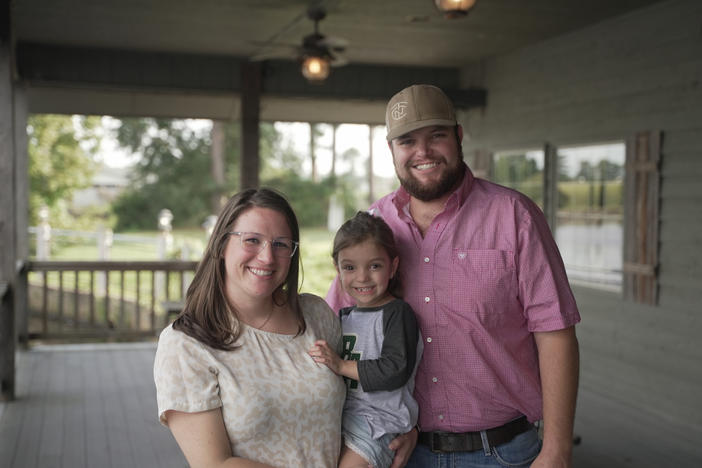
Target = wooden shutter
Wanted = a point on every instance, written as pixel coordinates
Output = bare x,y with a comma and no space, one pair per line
641,223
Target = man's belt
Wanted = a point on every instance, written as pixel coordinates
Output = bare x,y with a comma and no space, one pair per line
439,441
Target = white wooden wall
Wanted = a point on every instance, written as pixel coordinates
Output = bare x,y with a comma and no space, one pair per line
642,71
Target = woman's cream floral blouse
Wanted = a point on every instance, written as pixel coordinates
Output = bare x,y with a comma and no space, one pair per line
279,406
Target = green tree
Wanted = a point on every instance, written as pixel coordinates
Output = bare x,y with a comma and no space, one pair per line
173,171
278,157
61,150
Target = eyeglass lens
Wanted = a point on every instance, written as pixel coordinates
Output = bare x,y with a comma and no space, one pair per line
254,242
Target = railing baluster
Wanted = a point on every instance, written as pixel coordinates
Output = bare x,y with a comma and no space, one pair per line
60,300
121,298
92,298
109,322
76,299
45,304
53,279
153,300
168,284
138,300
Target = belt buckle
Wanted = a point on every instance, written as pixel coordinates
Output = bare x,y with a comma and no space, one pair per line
435,441
432,440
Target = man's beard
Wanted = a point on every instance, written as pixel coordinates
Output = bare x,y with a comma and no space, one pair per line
447,183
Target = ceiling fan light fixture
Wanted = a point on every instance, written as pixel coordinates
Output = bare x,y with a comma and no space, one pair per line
453,9
315,69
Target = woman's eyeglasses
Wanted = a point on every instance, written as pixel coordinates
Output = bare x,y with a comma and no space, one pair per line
254,242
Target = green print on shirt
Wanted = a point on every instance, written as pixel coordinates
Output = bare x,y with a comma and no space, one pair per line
347,354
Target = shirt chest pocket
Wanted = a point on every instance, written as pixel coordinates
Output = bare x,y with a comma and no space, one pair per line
482,282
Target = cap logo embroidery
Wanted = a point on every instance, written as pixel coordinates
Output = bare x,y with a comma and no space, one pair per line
398,111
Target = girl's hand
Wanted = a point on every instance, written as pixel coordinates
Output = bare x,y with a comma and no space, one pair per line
323,354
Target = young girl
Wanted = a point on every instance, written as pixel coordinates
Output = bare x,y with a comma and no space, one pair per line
381,345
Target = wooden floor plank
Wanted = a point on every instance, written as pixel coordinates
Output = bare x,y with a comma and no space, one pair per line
54,401
74,433
136,388
34,400
119,449
96,432
157,435
613,434
96,407
12,415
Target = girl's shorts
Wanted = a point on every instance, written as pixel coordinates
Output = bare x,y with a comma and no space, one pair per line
357,437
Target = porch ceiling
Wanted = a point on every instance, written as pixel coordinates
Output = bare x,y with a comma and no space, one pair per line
387,32
179,58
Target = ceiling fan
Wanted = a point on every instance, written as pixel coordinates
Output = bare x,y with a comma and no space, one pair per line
321,45
318,52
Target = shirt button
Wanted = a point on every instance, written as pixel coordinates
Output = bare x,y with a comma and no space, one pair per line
426,259
429,340
434,379
441,417
427,299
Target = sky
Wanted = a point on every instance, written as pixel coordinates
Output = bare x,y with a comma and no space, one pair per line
296,134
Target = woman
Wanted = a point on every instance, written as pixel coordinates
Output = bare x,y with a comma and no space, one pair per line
234,382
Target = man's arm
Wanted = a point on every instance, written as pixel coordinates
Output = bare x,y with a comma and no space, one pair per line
559,364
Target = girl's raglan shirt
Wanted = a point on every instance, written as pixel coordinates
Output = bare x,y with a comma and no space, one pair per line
385,341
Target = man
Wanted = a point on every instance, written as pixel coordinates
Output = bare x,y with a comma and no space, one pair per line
481,269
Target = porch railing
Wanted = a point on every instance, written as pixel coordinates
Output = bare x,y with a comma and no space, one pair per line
74,300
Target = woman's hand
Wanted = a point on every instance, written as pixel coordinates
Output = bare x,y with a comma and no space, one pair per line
403,445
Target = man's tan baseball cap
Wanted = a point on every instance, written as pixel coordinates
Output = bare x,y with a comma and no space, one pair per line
416,107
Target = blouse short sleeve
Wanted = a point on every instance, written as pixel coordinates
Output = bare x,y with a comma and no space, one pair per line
323,320
186,375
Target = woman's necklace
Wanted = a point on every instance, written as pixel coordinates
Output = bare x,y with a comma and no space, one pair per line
270,314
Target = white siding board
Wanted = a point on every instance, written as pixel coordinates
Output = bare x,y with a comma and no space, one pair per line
639,72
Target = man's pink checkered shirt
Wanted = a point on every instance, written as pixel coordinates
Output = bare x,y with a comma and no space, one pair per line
485,276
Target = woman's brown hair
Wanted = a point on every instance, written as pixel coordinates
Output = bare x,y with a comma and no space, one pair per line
207,316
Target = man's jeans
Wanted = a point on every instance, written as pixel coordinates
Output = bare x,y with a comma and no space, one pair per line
519,452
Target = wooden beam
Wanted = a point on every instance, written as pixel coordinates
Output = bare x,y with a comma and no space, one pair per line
89,68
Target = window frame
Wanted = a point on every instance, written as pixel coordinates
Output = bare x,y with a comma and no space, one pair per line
641,223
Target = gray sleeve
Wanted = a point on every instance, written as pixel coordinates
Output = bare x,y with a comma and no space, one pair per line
398,356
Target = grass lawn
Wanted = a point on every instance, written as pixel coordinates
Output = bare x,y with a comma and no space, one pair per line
317,267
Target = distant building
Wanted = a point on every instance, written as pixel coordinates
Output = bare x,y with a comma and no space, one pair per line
108,182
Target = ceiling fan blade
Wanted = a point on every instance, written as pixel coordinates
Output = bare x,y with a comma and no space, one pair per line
338,60
334,43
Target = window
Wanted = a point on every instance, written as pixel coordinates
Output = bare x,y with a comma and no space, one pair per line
589,227
601,202
522,171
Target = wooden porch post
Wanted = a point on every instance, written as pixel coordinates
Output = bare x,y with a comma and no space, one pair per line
251,82
7,219
550,185
371,191
21,287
